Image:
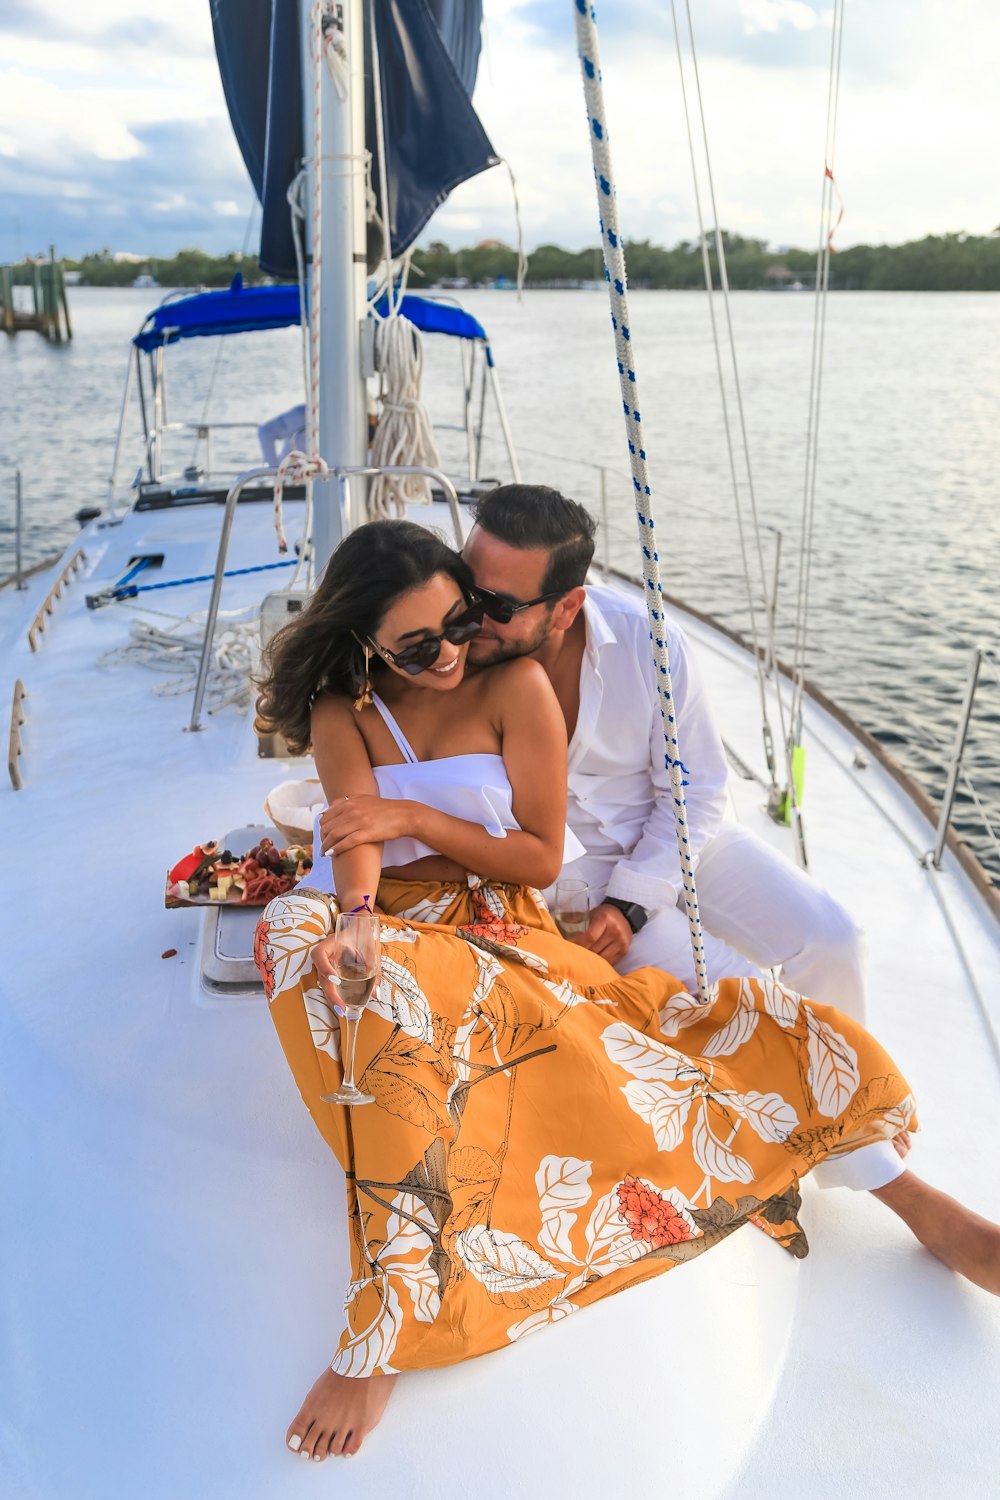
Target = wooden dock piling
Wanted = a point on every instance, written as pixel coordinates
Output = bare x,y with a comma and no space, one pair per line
49,310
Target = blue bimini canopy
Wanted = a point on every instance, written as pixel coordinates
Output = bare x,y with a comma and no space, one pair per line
437,317
241,309
238,309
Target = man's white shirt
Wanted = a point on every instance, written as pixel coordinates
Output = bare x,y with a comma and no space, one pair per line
620,797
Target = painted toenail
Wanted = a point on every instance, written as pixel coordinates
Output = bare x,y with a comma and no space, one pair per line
317,1458
295,1442
303,1453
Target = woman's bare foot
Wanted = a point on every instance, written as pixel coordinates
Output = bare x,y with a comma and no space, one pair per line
901,1143
338,1414
962,1239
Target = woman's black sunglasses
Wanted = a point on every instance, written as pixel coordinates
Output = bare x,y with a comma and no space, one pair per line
502,609
423,654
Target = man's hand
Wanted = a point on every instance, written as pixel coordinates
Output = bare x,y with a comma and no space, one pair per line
608,934
366,819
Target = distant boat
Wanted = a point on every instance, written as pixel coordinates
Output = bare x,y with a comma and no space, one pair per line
145,282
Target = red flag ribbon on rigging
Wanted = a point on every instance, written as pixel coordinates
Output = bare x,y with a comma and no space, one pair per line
831,247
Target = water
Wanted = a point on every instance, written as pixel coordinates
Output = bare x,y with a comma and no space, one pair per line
907,540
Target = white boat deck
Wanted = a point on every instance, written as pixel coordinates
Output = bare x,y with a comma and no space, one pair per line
174,1253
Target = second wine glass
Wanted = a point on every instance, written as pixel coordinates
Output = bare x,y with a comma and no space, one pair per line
572,907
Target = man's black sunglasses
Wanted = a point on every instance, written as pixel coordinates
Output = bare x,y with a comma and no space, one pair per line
423,654
503,610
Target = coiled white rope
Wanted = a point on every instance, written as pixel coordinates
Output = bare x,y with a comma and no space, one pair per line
614,264
404,434
176,650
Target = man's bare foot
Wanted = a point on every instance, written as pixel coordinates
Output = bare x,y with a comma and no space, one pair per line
901,1143
338,1414
962,1239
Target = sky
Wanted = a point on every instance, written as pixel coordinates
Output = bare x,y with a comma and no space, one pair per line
114,131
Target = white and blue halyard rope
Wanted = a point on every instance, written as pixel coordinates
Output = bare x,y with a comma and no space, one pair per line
614,270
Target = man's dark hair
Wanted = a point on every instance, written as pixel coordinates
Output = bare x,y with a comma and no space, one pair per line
533,515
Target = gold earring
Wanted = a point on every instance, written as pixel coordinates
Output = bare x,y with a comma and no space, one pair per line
365,696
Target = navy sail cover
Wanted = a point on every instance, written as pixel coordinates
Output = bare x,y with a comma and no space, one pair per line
428,57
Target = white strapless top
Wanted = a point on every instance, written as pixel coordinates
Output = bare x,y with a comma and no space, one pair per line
473,787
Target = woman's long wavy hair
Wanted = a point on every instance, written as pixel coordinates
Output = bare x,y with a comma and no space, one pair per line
318,653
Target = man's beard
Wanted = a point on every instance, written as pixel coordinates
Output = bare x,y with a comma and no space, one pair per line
508,650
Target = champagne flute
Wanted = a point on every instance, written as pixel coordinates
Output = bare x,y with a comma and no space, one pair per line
355,969
572,907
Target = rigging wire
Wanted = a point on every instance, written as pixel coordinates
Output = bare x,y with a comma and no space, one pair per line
383,176
404,435
522,259
221,342
823,253
759,657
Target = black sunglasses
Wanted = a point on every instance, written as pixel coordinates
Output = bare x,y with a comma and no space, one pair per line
423,654
503,610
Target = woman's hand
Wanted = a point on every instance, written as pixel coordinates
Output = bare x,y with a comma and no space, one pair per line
324,955
351,821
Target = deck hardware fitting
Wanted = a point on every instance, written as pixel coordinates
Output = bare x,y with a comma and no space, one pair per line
37,626
15,747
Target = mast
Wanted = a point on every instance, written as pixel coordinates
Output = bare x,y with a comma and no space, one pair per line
342,404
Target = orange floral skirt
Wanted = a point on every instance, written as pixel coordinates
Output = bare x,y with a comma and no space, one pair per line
545,1131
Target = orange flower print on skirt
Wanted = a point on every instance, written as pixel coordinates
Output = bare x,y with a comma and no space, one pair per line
654,1218
546,1132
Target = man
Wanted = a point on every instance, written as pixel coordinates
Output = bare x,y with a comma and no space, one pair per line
529,552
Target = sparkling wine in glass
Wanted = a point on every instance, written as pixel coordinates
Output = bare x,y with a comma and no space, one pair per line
572,907
355,969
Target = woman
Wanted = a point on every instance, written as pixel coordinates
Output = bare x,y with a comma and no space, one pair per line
545,1132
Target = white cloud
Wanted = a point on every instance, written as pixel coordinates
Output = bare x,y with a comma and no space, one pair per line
772,15
55,120
447,218
917,106
171,203
124,111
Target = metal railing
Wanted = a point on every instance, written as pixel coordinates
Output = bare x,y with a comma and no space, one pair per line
956,770
203,432
343,475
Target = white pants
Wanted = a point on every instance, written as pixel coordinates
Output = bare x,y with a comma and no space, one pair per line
863,1170
758,910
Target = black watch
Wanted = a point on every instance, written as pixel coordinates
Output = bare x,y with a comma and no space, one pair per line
635,915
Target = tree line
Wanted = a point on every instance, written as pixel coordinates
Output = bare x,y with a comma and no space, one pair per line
186,268
948,262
